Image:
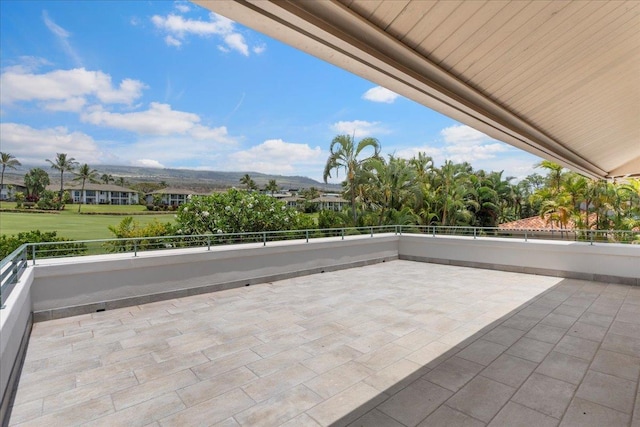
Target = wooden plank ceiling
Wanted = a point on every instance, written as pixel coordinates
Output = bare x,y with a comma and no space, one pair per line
560,79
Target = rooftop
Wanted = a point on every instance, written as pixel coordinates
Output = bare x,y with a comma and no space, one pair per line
399,343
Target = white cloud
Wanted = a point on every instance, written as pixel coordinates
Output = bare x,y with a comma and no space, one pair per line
359,128
236,42
31,145
73,104
172,41
149,163
159,120
437,154
465,144
380,94
259,49
63,37
464,135
178,28
182,7
62,85
276,156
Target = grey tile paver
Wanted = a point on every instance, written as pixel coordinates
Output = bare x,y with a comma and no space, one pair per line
545,394
578,347
482,352
563,367
609,391
546,333
399,343
414,403
618,364
447,417
530,349
587,331
515,415
482,398
375,418
509,370
582,413
454,373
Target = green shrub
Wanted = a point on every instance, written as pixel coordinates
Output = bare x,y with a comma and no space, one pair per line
236,211
128,228
9,243
332,219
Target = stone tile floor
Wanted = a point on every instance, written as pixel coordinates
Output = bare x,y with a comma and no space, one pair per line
393,344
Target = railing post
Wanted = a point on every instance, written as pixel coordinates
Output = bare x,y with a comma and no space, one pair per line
371,231
343,234
591,237
474,232
135,247
33,254
306,232
525,235
264,239
208,243
434,231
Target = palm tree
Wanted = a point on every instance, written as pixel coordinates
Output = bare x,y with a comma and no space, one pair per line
107,178
246,180
555,174
344,154
63,164
391,188
8,161
84,174
272,186
120,181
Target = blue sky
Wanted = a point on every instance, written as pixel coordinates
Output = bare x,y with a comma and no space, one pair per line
169,84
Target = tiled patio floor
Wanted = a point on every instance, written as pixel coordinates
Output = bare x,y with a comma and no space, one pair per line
393,344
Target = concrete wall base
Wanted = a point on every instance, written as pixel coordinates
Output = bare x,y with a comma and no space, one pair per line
58,313
6,403
619,280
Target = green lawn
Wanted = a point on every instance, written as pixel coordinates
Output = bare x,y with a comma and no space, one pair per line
68,223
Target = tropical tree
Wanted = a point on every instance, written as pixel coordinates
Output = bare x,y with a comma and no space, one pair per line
310,193
121,181
453,193
107,178
63,164
8,161
390,188
248,182
554,177
84,174
345,154
272,186
36,181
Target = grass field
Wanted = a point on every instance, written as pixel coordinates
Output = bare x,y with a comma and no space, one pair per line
68,223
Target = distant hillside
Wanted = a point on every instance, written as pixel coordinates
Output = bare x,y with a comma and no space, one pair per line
184,178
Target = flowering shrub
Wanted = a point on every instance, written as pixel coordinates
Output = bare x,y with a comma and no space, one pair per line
236,211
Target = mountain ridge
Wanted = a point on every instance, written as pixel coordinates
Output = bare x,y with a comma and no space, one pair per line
184,178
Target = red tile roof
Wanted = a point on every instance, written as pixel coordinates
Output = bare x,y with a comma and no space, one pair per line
538,223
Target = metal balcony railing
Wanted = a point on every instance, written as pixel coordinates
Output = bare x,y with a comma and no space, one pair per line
14,265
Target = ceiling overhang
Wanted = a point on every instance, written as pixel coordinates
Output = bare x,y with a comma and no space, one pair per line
566,117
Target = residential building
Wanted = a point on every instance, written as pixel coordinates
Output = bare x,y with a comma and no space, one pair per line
170,196
10,187
99,194
332,202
